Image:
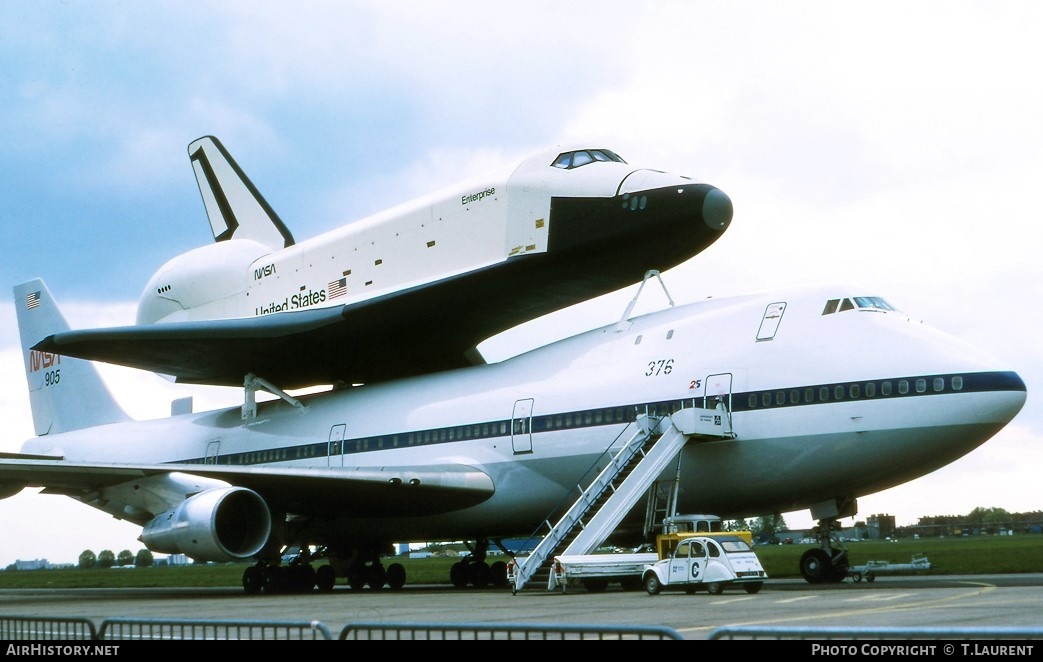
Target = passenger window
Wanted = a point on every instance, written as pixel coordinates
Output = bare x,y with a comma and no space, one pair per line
885,388
939,384
903,387
957,383
921,385
870,389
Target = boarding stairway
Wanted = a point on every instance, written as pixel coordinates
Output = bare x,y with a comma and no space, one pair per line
610,496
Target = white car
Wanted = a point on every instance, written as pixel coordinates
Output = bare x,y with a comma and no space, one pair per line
704,562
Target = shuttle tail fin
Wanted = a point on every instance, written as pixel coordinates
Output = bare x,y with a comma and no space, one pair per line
64,393
235,207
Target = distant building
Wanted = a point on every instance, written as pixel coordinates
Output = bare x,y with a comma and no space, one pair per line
35,564
881,527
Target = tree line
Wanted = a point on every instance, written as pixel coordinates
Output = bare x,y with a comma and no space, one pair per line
107,559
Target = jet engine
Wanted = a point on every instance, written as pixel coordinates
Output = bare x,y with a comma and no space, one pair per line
224,524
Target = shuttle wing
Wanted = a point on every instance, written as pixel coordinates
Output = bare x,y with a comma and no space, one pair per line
416,331
375,491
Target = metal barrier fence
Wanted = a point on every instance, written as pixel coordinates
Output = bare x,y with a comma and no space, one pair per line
470,631
754,632
153,628
18,628
25,628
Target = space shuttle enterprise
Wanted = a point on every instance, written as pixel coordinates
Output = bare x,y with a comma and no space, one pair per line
408,291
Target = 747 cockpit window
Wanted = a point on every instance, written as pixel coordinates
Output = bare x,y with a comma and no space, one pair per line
861,303
568,160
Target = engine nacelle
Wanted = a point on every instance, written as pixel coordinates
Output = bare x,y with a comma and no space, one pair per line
225,524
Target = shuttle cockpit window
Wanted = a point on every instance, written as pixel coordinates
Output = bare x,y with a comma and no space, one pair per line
872,304
581,157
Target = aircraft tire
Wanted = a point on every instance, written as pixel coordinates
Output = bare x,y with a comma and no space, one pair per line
357,578
499,573
458,574
838,567
814,566
325,578
253,580
481,575
376,575
396,576
301,577
274,579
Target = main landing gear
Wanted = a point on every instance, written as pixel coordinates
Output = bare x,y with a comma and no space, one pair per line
473,570
300,576
828,562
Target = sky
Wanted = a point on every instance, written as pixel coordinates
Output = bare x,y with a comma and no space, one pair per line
895,145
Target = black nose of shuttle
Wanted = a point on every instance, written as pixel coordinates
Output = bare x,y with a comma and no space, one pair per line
661,226
717,209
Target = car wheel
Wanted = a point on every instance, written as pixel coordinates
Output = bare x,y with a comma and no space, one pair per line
652,585
715,588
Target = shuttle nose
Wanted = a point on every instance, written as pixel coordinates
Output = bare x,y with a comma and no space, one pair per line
711,205
717,209
672,221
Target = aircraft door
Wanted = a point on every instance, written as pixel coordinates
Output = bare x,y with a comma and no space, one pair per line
212,450
521,426
718,389
717,394
336,446
771,320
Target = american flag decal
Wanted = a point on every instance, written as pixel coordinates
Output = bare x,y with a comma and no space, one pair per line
32,300
338,288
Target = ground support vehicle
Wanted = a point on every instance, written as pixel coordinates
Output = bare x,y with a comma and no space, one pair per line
710,563
871,569
595,572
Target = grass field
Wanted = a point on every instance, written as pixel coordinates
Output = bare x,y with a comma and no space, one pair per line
949,556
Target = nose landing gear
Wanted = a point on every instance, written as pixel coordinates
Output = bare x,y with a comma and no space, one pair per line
828,562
